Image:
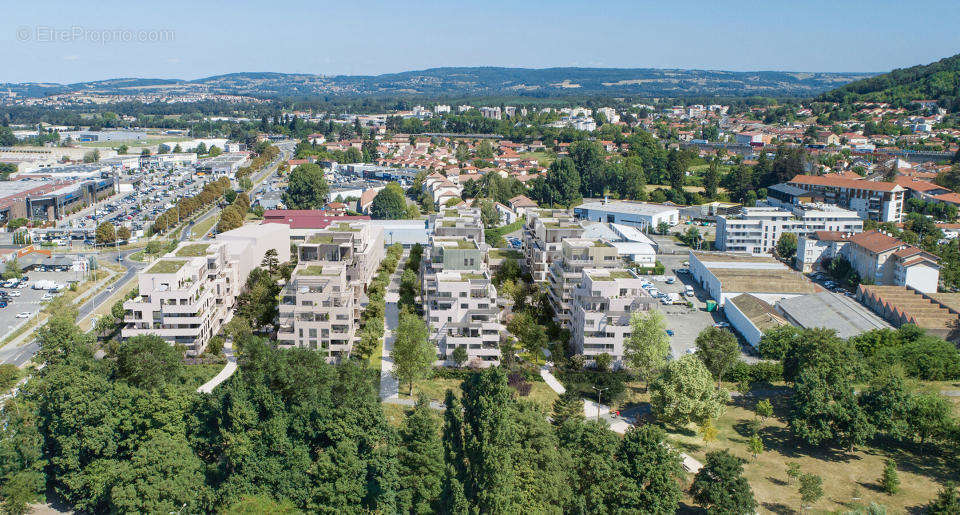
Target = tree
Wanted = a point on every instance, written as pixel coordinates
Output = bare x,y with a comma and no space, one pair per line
787,245
459,355
890,481
711,179
389,203
649,345
412,354
720,486
421,458
663,228
164,476
353,155
307,188
947,501
928,415
270,261
148,361
12,270
123,233
764,409
718,350
651,469
568,406
793,470
685,393
811,488
106,233
755,445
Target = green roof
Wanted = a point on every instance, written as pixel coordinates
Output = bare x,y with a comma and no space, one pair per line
320,238
193,250
600,243
470,275
315,270
506,254
166,266
613,274
344,226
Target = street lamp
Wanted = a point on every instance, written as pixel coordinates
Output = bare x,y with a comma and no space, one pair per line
599,391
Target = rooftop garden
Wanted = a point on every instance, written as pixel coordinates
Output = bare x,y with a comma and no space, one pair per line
316,270
344,227
166,266
506,254
320,238
193,250
467,276
600,243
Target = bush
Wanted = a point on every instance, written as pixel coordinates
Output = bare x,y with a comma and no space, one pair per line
760,372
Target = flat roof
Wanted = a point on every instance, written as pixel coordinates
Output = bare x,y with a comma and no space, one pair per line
831,311
752,280
760,313
619,206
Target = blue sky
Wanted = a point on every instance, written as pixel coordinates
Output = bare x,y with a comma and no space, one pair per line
54,41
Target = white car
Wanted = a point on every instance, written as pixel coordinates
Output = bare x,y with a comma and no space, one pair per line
14,293
24,314
47,296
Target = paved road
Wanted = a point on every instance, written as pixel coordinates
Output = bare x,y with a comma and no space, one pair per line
18,355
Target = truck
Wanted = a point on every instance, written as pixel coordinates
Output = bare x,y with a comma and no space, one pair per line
45,284
675,298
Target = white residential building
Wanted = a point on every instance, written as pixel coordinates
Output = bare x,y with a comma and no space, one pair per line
187,295
460,301
543,233
576,254
758,229
602,304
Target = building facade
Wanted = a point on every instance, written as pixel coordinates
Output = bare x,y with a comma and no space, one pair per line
543,232
603,301
758,229
880,201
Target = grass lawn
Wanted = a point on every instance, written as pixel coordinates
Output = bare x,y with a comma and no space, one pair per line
196,375
436,390
698,189
845,475
542,157
395,413
202,228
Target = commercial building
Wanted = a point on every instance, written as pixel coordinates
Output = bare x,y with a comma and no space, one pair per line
565,272
187,295
830,311
751,317
69,197
460,301
320,305
641,215
542,233
224,164
880,201
758,229
602,304
936,313
728,275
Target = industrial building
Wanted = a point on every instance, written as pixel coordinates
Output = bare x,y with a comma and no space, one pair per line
728,275
641,215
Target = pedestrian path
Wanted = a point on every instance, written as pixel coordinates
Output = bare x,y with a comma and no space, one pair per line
224,374
389,386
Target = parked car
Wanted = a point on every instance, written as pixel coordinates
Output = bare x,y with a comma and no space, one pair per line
669,332
15,293
721,324
24,314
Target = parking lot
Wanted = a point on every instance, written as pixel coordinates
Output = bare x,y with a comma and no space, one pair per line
28,300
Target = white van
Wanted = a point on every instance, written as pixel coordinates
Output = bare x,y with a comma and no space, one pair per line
688,291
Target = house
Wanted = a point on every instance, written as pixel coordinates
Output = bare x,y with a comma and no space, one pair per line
520,204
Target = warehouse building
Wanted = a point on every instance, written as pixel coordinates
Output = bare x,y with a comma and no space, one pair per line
728,275
641,215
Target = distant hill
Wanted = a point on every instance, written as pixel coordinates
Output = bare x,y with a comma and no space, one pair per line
936,81
479,81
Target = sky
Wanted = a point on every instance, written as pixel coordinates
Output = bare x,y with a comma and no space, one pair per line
65,42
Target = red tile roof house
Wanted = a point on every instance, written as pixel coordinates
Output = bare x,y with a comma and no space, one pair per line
884,260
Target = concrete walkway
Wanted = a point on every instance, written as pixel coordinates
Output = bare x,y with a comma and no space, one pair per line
389,386
224,374
618,424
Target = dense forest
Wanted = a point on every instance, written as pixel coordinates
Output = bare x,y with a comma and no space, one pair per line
938,81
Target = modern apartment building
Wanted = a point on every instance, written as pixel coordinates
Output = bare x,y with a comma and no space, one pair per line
576,254
460,301
880,201
758,229
320,305
603,302
542,233
187,295
458,222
